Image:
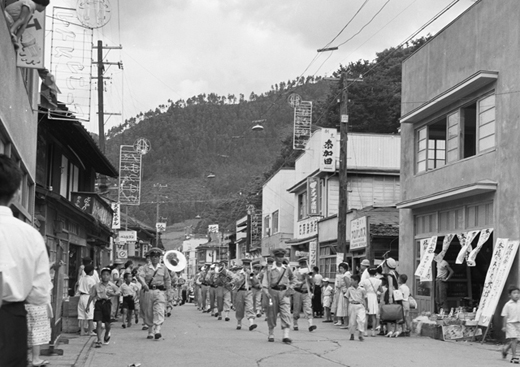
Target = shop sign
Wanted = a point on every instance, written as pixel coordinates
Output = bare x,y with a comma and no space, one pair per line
504,254
424,269
359,233
121,251
302,125
116,219
307,227
424,246
301,253
31,51
213,228
313,261
160,227
313,195
329,153
126,236
90,203
129,175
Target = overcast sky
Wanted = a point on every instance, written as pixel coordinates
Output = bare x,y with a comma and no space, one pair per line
175,49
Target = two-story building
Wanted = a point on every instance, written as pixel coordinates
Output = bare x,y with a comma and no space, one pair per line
373,191
75,221
460,151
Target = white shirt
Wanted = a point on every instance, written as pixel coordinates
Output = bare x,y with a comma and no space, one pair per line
29,280
365,275
405,291
511,311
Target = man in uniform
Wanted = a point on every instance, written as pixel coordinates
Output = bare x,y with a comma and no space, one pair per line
212,290
155,279
144,297
278,286
204,288
302,297
222,280
172,293
257,287
244,296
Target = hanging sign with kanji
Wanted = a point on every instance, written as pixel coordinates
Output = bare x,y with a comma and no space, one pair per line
302,125
329,150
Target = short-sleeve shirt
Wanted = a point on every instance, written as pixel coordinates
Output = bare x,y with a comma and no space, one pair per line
85,284
99,290
405,291
356,294
511,311
161,277
276,275
128,289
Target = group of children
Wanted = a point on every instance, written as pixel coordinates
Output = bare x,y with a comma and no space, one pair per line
364,305
100,294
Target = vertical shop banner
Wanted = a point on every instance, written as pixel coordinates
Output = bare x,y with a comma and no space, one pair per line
129,175
329,153
313,261
302,125
503,256
426,258
71,60
32,43
359,233
116,219
465,242
313,195
484,236
446,244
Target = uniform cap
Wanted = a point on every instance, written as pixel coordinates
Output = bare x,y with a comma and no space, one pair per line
118,262
365,262
246,261
278,252
212,266
105,269
155,250
269,260
391,263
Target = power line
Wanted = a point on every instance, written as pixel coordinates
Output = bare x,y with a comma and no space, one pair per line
346,25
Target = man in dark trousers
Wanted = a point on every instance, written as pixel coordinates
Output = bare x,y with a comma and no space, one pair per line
29,281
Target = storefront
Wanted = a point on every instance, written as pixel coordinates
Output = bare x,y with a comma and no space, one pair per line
305,241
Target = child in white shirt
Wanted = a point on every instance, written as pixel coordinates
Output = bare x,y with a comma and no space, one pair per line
328,294
511,325
403,278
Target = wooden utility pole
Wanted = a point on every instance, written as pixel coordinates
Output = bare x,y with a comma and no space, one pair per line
343,185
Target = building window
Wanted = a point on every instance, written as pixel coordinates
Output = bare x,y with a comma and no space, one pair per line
267,228
462,133
328,261
275,222
302,205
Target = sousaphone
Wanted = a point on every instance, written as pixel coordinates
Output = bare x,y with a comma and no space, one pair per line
174,260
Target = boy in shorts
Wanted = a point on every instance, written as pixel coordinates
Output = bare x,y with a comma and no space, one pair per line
85,284
128,291
511,325
102,293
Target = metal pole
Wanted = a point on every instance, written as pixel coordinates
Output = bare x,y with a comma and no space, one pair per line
101,116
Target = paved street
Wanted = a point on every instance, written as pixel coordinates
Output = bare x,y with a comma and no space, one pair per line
195,339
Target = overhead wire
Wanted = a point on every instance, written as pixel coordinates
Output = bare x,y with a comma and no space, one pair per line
348,23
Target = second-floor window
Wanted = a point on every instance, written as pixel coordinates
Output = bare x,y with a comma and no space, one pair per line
275,222
267,228
460,134
302,205
69,177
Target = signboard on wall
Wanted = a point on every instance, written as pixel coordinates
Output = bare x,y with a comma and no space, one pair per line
329,150
504,254
313,252
116,219
121,251
313,195
31,51
359,233
307,227
126,236
302,125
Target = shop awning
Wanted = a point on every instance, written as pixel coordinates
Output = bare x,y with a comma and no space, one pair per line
455,93
300,241
477,188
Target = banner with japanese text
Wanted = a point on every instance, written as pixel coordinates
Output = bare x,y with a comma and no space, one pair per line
329,150
302,125
427,257
313,196
129,175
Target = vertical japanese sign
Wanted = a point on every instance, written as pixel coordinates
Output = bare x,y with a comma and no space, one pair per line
116,219
503,256
129,176
359,233
426,258
313,195
329,150
313,251
71,60
302,125
484,236
465,242
32,43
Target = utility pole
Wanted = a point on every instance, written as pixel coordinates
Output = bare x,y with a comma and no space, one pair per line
157,194
101,113
343,176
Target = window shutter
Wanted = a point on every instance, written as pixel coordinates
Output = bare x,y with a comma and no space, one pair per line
453,137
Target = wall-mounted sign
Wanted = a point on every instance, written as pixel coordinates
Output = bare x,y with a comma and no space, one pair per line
329,150
31,51
126,236
302,125
116,219
121,251
129,175
95,206
313,195
359,233
313,253
160,227
307,227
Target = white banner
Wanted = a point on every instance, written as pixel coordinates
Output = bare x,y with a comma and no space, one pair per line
465,241
125,236
503,256
116,218
329,150
484,236
426,258
358,233
313,253
446,244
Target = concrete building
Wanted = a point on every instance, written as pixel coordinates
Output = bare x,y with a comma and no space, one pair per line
373,182
460,151
19,100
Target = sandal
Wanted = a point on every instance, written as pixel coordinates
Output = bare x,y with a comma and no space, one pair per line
42,363
97,344
515,360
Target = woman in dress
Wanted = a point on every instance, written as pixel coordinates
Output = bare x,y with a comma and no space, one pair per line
340,303
372,286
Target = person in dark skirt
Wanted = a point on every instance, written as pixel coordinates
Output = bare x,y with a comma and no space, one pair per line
317,305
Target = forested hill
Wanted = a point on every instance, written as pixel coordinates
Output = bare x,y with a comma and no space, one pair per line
211,134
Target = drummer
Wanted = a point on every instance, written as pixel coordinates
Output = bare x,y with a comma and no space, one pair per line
156,281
